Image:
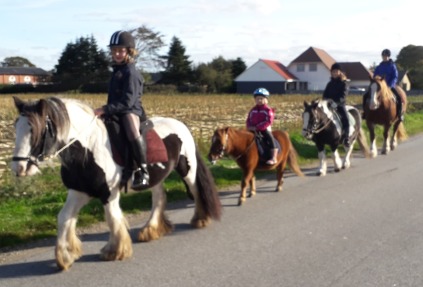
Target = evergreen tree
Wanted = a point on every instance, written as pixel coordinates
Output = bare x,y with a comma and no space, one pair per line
82,62
178,68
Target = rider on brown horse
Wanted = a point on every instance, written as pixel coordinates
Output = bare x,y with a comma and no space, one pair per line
388,70
337,90
260,120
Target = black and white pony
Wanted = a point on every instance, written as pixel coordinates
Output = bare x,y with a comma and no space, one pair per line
322,125
68,129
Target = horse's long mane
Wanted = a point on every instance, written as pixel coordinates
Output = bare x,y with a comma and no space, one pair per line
37,113
385,91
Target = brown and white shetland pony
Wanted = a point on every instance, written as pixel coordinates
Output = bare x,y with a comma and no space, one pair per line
381,109
68,129
241,146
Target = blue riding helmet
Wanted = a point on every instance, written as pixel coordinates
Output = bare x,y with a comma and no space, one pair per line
261,92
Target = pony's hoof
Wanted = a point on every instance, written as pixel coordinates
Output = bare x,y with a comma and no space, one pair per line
200,223
252,194
241,201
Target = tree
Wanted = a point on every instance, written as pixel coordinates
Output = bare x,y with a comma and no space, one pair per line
148,43
16,62
178,68
82,62
219,74
410,59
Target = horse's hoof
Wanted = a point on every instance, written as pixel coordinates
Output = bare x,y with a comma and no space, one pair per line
319,173
337,169
200,223
241,201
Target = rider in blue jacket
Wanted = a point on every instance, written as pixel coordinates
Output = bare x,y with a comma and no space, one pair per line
388,70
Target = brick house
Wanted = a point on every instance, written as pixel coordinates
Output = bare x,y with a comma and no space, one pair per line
23,75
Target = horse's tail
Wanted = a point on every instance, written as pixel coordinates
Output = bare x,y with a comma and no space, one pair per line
207,191
293,159
401,132
362,142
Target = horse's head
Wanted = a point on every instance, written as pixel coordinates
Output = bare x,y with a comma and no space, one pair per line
36,133
379,92
218,145
311,118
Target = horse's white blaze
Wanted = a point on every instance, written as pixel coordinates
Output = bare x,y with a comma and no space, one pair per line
306,119
23,149
374,104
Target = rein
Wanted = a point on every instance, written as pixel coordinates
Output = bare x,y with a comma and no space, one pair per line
243,153
322,128
31,159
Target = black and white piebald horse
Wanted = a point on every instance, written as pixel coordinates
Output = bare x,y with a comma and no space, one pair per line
68,129
323,126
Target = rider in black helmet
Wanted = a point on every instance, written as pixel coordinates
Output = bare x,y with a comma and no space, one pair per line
337,90
388,70
124,101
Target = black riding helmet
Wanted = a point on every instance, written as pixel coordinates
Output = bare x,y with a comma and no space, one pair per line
336,66
122,38
386,52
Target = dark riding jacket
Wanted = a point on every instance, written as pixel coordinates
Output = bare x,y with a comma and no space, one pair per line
337,90
125,91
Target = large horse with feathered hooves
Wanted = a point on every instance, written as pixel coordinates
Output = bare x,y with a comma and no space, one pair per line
68,129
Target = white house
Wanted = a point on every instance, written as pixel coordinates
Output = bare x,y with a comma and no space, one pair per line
312,67
268,74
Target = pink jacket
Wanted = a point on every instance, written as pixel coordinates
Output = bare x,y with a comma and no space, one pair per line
261,117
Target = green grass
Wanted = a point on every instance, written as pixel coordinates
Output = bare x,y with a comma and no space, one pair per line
29,206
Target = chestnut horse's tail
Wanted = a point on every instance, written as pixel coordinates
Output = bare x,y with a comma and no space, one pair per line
293,159
362,142
207,190
401,133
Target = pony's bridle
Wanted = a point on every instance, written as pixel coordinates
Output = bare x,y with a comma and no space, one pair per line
48,136
222,152
316,126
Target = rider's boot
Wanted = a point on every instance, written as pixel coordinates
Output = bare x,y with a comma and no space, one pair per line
273,160
141,176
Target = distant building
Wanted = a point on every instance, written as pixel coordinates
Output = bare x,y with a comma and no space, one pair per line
23,75
268,74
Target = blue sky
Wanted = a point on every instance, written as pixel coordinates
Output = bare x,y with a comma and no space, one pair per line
354,30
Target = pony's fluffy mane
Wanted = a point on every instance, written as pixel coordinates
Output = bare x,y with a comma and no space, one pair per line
37,113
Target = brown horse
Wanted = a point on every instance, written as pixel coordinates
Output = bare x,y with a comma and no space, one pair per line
380,109
241,145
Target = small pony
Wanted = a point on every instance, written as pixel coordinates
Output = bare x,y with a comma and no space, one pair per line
381,109
68,129
242,146
323,126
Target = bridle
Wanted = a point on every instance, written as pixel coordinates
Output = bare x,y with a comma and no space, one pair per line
317,125
223,148
48,136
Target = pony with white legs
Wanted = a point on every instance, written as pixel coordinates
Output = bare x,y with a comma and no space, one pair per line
68,129
322,125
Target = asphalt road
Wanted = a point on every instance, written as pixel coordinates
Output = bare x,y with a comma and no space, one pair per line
359,227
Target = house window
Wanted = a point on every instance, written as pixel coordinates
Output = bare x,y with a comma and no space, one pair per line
300,67
312,67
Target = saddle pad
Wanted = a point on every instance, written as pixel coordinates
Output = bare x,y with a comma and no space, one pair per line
156,150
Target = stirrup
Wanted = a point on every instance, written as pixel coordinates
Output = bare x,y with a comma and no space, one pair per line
271,162
141,179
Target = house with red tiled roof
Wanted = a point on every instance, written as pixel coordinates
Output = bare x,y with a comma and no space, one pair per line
313,68
23,75
269,74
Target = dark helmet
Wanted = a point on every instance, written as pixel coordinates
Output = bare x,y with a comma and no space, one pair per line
336,66
261,92
386,52
122,38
